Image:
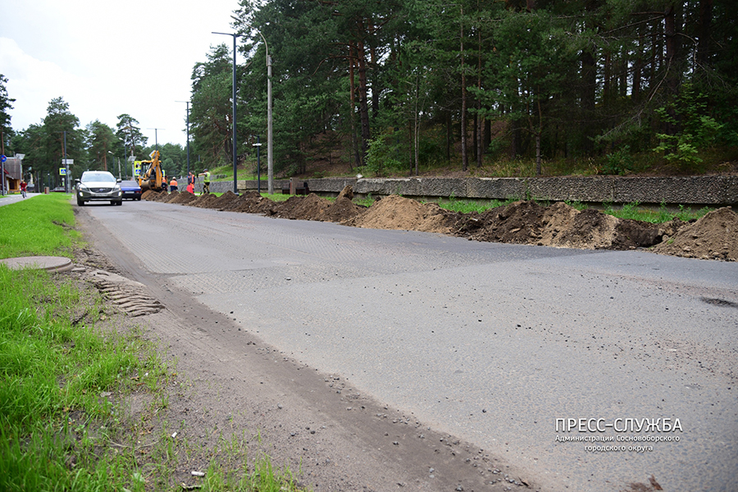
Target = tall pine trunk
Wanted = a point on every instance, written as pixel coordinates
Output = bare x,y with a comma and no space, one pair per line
464,155
363,102
352,92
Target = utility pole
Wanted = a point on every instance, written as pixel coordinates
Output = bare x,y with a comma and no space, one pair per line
188,135
270,140
66,164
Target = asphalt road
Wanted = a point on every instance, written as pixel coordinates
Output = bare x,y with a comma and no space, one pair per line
490,342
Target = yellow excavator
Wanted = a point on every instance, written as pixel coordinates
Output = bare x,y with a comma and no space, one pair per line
152,176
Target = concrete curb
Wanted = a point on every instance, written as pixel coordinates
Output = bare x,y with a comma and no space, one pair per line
48,263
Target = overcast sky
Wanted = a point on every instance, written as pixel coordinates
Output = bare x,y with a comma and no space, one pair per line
108,57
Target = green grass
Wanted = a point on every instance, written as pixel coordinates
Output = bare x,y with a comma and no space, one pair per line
468,206
225,173
55,379
632,211
276,197
37,226
64,381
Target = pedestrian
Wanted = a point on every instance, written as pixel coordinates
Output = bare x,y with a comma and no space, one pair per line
206,181
173,184
190,178
24,187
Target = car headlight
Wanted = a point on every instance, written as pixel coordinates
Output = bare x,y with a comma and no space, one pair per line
83,188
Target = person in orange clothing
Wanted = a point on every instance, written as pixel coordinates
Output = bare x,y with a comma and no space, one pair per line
173,184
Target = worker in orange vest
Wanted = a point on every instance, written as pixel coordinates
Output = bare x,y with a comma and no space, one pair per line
173,184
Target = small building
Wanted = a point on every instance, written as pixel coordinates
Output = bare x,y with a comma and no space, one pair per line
13,174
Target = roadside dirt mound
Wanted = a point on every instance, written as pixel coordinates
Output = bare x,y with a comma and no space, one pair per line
226,201
342,210
169,197
253,203
396,212
183,198
311,207
590,229
518,223
204,201
713,237
154,196
558,225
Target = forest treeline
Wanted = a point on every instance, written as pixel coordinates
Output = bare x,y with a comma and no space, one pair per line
398,84
95,146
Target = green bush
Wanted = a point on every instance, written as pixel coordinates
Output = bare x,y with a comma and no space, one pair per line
696,129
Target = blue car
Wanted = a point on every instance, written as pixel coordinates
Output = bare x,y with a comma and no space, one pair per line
131,190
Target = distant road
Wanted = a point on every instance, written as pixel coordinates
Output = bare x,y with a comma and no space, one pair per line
8,199
490,342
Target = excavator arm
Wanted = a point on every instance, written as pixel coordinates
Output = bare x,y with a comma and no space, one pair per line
152,178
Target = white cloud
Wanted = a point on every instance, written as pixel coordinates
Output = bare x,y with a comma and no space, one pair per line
108,58
32,83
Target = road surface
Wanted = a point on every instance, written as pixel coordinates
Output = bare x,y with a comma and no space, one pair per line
590,369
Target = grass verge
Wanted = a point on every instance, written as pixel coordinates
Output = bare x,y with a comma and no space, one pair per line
67,371
633,211
41,225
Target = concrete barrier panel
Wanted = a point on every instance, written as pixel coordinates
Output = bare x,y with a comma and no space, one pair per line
715,190
572,188
495,188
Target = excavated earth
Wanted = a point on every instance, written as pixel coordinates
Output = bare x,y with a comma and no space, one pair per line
712,237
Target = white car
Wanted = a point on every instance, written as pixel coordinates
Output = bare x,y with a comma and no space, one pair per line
98,186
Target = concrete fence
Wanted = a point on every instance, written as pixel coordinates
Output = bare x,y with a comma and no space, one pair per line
713,190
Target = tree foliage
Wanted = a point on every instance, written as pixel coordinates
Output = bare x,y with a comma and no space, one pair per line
6,104
101,141
211,115
131,141
423,81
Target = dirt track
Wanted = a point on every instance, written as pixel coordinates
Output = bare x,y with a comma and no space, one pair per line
713,237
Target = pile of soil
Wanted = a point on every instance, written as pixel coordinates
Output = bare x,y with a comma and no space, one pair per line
182,198
396,212
253,203
715,236
311,207
155,196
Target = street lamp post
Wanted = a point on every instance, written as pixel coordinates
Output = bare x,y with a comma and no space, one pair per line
188,135
270,147
235,157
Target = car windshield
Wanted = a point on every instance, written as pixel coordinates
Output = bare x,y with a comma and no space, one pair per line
131,184
98,178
